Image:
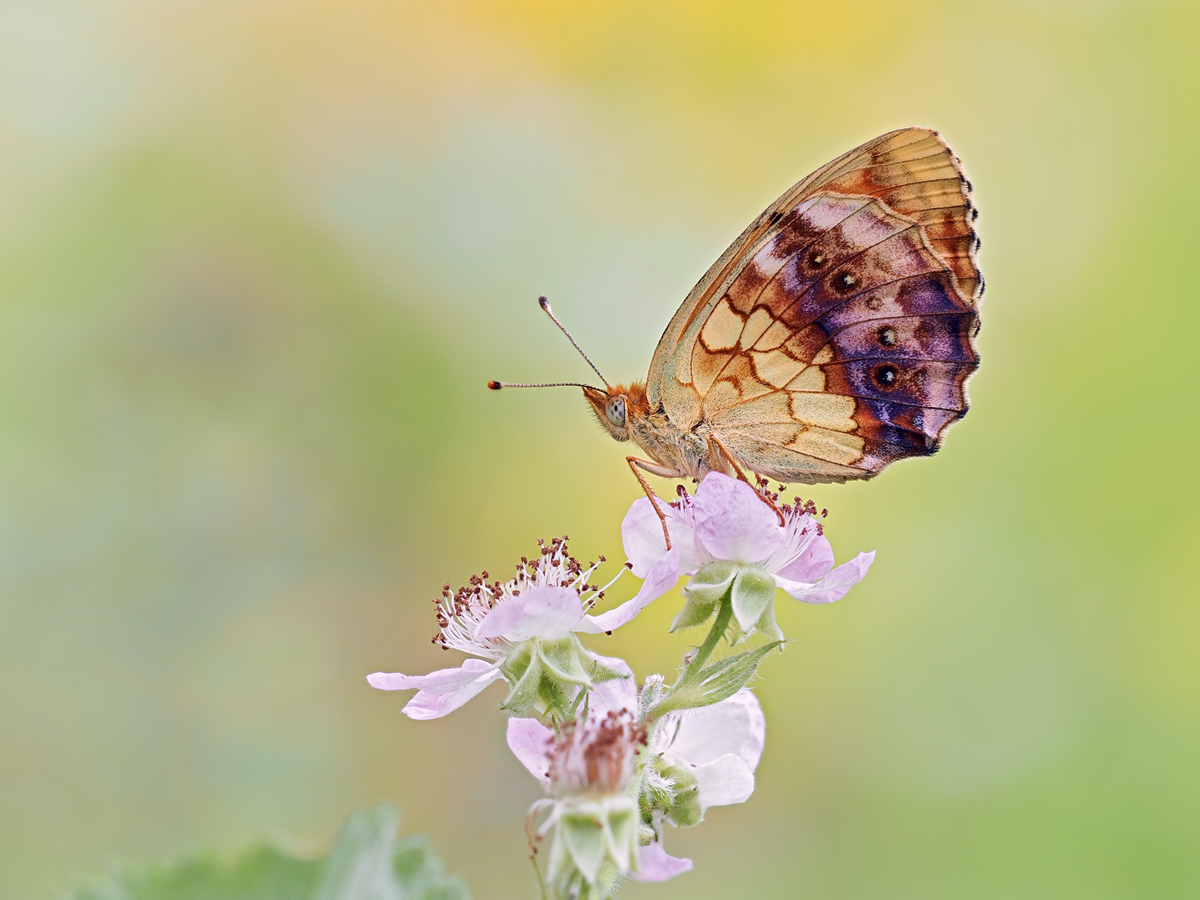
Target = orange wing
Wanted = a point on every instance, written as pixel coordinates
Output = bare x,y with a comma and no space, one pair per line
836,334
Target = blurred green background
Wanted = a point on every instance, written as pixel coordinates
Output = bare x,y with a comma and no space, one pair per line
257,260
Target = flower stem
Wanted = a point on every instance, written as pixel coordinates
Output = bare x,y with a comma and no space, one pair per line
724,614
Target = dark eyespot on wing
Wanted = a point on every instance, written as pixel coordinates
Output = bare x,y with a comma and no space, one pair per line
939,385
943,338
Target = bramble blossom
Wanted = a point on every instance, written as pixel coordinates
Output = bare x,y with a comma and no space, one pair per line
730,541
694,760
522,631
587,766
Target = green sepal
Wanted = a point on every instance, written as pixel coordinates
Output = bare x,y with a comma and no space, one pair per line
734,634
767,626
753,591
554,699
694,612
524,692
601,672
711,582
622,834
564,660
584,839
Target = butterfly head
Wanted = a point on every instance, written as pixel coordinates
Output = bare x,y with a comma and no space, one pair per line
616,406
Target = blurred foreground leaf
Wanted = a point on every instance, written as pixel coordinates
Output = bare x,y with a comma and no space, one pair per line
366,863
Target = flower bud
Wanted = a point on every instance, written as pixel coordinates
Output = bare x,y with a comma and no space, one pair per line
685,806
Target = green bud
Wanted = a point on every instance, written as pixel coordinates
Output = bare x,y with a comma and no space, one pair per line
685,808
652,691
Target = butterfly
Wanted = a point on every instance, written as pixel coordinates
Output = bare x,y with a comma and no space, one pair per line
835,336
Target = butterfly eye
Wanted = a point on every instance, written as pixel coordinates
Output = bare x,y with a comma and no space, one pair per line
616,411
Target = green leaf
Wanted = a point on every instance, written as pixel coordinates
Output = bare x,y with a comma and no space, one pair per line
714,682
366,863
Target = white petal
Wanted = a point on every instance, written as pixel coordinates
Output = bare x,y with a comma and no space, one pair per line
641,533
642,536
430,705
660,579
723,782
615,694
733,522
656,865
812,564
833,586
735,725
442,681
529,740
541,612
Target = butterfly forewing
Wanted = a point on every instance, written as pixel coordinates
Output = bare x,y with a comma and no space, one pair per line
836,334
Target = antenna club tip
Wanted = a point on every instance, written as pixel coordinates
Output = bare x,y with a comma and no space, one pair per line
494,385
544,303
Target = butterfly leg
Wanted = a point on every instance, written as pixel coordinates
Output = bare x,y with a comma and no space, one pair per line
715,444
636,465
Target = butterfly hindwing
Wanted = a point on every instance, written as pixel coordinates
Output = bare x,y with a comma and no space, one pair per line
836,335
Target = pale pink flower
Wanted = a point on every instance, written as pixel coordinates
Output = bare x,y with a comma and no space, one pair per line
719,745
548,600
728,522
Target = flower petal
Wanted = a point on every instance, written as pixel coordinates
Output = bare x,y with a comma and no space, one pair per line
723,782
660,579
529,740
811,565
615,694
642,536
732,521
440,682
833,586
542,612
657,865
433,704
735,725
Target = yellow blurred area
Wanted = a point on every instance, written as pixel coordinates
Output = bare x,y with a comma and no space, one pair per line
259,258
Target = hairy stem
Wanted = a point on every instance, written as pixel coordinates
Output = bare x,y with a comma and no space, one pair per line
724,614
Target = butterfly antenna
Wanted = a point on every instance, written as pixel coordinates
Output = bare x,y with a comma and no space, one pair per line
496,385
545,305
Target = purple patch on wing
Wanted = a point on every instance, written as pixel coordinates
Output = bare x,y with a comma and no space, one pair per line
944,338
900,256
910,382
